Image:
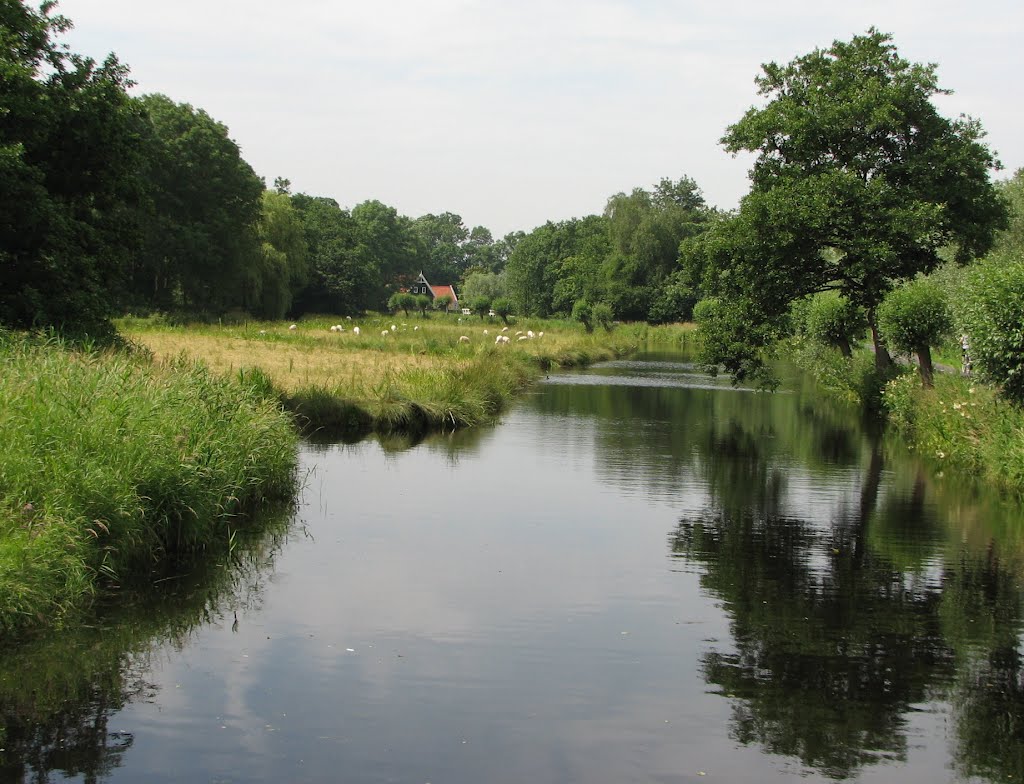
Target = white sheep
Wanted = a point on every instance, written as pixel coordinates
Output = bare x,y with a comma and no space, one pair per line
393,328
384,334
334,327
519,332
540,334
293,327
529,333
355,330
463,339
486,332
416,329
504,329
522,337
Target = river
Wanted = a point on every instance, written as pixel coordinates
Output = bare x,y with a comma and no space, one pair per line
640,575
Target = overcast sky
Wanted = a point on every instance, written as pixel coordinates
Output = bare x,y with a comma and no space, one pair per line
514,113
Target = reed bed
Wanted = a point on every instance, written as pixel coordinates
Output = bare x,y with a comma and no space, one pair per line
113,465
396,374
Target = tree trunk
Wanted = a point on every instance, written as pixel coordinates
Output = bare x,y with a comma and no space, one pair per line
882,359
844,347
924,364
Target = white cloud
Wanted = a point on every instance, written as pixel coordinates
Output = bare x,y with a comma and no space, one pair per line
511,114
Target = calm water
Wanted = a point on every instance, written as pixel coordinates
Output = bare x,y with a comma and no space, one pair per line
640,575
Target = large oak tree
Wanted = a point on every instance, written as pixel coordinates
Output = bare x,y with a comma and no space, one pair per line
859,183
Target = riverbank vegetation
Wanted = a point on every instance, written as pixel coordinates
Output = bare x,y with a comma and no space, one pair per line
387,374
114,465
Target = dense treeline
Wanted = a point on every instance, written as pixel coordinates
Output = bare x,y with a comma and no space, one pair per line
113,203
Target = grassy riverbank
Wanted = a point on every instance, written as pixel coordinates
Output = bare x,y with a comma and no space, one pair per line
113,464
960,424
424,374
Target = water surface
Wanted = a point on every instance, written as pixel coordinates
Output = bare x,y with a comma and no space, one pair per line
642,574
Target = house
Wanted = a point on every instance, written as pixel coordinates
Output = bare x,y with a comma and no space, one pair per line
420,286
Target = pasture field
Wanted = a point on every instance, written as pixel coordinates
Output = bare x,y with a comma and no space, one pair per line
394,374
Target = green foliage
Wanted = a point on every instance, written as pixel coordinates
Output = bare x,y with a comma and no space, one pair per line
443,302
285,257
480,305
202,204
859,184
674,301
502,306
423,301
961,424
991,311
583,312
483,284
402,300
69,154
112,464
602,316
914,316
646,229
832,320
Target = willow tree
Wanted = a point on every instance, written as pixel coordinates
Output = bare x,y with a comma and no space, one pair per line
858,184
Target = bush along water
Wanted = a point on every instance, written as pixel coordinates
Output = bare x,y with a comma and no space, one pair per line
113,465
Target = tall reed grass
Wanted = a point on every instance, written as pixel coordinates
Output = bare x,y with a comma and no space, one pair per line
112,464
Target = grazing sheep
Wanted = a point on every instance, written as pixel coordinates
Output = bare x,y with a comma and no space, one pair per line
348,318
355,330
463,339
263,332
529,333
293,327
519,332
501,340
334,327
540,334
486,332
522,337
415,329
393,328
384,334
504,329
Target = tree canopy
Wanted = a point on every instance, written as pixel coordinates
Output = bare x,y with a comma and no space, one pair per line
859,184
69,150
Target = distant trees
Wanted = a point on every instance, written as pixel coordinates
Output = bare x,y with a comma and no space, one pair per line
202,204
628,257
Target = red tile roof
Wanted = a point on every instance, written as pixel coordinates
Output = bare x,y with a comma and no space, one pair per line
444,291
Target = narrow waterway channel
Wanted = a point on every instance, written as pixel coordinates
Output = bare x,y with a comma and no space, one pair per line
640,575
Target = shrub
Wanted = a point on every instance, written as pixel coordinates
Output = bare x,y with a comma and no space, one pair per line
583,312
992,314
481,305
402,300
602,315
503,307
830,319
913,318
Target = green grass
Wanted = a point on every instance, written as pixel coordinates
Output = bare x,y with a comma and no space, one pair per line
112,464
963,425
421,376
